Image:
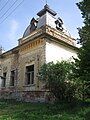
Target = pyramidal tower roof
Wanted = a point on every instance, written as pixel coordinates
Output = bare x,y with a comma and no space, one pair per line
46,9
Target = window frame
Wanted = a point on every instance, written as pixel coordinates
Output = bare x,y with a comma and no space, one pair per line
29,75
12,78
4,79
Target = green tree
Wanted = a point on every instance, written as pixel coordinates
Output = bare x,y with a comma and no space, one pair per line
82,71
57,79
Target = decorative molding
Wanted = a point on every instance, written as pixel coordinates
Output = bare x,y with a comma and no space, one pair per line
59,35
31,45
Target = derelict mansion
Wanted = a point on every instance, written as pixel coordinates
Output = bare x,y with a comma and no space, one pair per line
44,40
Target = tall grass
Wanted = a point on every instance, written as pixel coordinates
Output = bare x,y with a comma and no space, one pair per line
12,110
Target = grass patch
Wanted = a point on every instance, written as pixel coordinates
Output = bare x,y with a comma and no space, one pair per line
12,110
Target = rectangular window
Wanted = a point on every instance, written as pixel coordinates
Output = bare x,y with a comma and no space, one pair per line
29,74
4,79
12,80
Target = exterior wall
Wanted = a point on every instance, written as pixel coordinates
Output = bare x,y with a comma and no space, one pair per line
56,52
6,67
8,63
30,54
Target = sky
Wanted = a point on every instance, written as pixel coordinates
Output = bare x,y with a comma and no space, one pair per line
12,26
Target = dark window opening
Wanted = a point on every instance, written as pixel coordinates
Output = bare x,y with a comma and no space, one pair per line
12,80
29,74
4,79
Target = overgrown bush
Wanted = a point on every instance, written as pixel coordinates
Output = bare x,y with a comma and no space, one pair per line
57,77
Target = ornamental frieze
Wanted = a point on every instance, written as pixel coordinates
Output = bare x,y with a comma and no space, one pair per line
31,45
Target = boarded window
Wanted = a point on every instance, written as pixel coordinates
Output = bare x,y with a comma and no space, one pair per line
29,74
